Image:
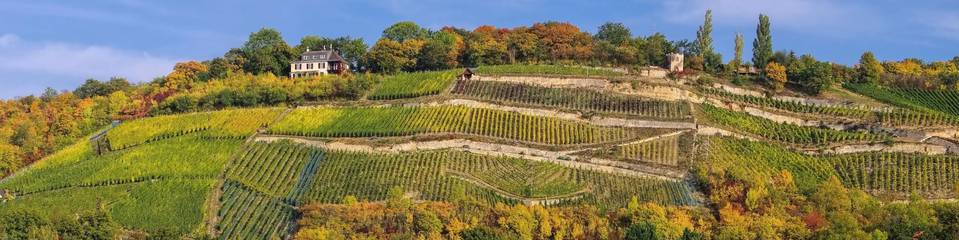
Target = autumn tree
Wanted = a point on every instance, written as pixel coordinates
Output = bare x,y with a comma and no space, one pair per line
563,41
389,56
777,75
484,47
870,70
763,44
185,74
523,46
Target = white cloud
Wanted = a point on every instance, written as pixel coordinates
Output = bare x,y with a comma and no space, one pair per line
75,62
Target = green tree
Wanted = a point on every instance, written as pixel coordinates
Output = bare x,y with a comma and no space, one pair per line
267,52
738,53
870,70
831,196
351,49
909,219
763,44
810,75
691,235
711,59
655,48
17,224
92,87
403,31
614,33
642,231
439,52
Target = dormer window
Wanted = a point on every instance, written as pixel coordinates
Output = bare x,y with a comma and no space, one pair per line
306,57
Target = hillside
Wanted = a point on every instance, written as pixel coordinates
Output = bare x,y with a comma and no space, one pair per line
613,146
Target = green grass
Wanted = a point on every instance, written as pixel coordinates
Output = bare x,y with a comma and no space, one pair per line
236,124
410,85
546,70
406,121
784,132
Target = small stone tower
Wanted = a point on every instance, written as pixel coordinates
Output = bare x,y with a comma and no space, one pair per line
675,61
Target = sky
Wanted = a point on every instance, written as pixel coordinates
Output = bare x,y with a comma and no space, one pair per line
60,44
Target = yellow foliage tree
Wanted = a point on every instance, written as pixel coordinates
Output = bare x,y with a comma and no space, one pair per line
184,74
776,73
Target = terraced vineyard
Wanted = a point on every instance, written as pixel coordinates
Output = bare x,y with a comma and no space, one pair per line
369,176
188,157
409,85
670,150
547,70
573,99
756,161
405,121
248,214
234,124
262,187
916,99
790,106
246,173
158,186
783,132
899,173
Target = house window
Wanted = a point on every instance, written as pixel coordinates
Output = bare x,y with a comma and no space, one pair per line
309,66
322,65
299,66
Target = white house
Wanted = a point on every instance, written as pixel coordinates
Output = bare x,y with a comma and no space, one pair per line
316,63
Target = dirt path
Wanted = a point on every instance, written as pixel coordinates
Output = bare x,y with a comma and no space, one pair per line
562,158
924,148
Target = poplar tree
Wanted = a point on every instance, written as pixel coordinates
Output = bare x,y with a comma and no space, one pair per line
738,50
711,59
763,44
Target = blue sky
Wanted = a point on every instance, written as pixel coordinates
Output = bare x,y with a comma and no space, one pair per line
62,43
